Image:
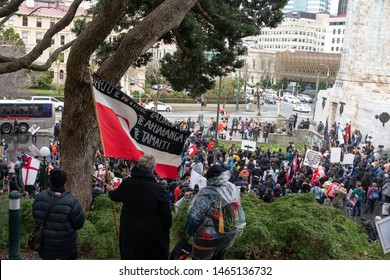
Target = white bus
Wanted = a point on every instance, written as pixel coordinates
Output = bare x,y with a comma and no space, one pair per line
26,112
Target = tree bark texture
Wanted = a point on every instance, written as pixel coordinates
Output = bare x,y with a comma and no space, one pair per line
80,134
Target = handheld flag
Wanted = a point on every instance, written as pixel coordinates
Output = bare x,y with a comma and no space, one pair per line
192,150
30,168
129,130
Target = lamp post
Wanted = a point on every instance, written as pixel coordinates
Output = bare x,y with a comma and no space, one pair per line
327,74
216,131
44,152
238,88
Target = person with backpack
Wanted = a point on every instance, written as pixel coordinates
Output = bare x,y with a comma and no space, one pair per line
215,216
63,215
372,196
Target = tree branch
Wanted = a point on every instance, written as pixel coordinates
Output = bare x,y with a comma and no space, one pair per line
23,62
204,13
10,8
180,42
51,59
142,37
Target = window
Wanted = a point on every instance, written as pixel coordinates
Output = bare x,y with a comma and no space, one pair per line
52,22
53,41
61,74
62,57
52,73
332,49
334,31
339,31
39,22
25,21
62,40
25,37
38,37
11,20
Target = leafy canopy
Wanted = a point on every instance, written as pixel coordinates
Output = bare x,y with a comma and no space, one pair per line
208,39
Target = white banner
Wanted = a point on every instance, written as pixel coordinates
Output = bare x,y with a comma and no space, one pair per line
383,228
196,178
348,159
312,158
335,154
248,145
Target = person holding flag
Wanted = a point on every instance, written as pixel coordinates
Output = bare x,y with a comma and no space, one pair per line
146,214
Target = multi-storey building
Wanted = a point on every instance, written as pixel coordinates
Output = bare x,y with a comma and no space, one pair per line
298,31
31,22
311,6
303,31
335,32
343,5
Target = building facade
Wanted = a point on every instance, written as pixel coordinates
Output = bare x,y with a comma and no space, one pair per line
343,5
310,6
361,94
303,31
32,21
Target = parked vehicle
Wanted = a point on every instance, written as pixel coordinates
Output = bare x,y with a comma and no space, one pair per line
270,100
160,106
291,99
301,108
58,105
162,87
305,98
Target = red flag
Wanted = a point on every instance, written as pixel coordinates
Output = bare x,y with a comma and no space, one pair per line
129,131
223,111
192,150
116,182
348,133
220,127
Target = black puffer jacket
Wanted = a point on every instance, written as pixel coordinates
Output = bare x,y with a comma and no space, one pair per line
66,216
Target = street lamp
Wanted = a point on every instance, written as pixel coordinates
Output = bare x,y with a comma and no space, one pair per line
216,132
238,88
44,152
327,74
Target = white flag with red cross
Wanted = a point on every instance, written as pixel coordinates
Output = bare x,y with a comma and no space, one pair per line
30,168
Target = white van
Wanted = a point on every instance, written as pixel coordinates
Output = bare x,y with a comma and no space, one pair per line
58,105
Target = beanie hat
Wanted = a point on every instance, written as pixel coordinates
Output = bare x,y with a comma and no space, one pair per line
58,178
214,171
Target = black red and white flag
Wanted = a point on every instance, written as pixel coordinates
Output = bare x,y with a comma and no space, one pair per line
30,168
129,130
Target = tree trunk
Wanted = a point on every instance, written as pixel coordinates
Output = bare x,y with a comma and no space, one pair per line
80,132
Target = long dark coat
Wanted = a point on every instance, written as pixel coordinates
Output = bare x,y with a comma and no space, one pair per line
145,218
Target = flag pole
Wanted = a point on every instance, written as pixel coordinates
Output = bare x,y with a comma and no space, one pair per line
104,154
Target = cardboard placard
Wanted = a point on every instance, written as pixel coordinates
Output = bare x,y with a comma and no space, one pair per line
312,158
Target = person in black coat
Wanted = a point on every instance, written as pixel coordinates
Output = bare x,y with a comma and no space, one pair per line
65,218
146,214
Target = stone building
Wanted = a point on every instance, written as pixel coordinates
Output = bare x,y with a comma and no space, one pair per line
361,94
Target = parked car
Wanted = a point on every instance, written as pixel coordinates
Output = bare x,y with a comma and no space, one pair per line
305,98
301,108
162,87
58,105
160,106
270,100
253,99
291,99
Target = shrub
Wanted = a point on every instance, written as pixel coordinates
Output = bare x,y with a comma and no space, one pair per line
297,227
